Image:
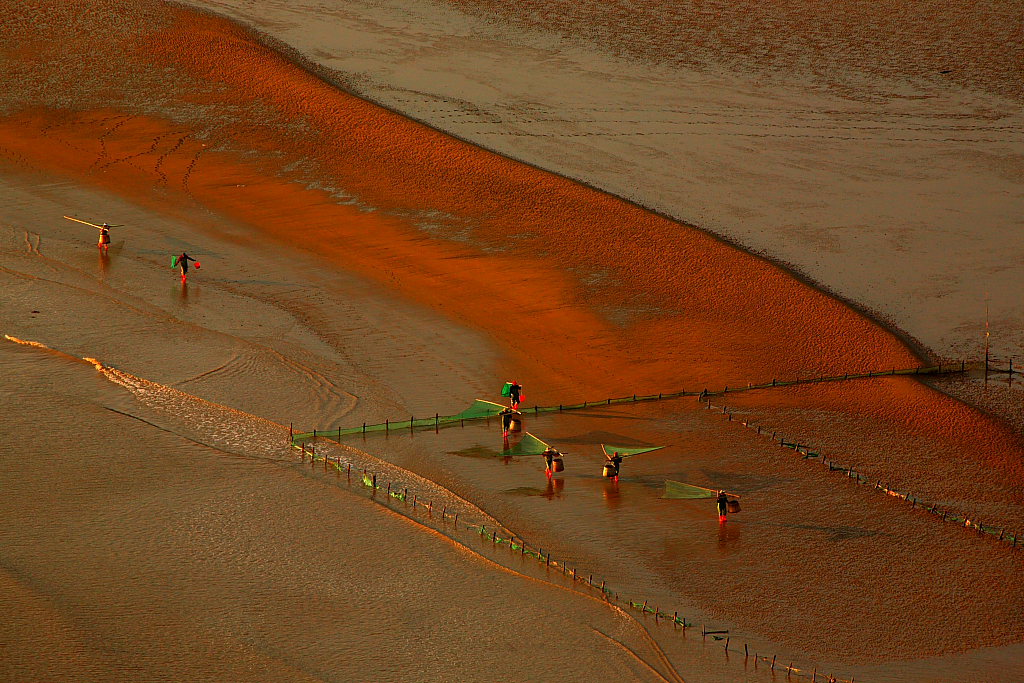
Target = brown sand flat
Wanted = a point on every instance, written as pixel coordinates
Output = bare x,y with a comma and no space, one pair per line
136,555
972,44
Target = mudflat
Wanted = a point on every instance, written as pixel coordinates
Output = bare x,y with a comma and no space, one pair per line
358,266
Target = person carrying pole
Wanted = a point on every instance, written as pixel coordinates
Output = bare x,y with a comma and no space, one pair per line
514,391
612,466
104,241
104,237
549,456
723,506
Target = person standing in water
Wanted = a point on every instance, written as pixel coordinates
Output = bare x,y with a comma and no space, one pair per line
104,241
723,506
549,460
615,464
506,421
183,264
515,393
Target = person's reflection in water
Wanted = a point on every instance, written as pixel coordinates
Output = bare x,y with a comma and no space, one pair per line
729,536
554,488
611,493
104,263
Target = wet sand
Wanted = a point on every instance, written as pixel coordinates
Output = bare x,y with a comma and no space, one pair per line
874,149
358,265
140,554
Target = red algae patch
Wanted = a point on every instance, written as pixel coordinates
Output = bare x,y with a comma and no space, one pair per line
757,317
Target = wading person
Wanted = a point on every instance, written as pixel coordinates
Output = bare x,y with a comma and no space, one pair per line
515,393
182,262
507,416
104,242
723,506
549,455
612,465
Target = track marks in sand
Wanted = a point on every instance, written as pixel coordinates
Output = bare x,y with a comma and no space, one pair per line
775,123
664,660
529,120
33,248
142,312
100,142
104,153
152,150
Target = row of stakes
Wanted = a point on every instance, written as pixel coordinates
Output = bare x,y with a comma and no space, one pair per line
436,420
369,480
915,502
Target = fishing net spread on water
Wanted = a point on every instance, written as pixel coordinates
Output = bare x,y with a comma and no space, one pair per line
479,409
528,445
624,452
680,490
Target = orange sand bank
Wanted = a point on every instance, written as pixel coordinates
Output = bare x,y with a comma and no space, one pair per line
668,305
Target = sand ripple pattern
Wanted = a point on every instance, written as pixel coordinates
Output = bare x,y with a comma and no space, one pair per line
234,431
209,423
239,432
